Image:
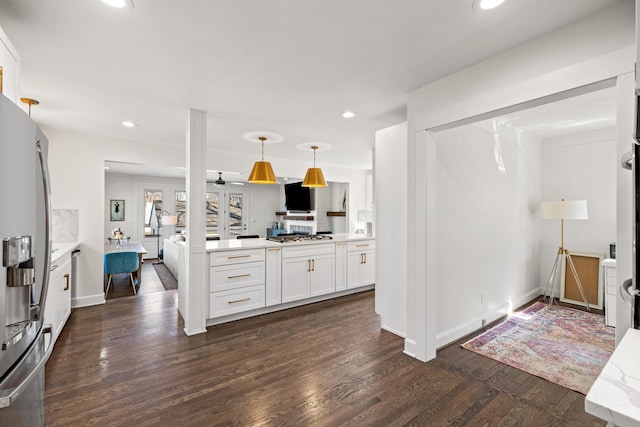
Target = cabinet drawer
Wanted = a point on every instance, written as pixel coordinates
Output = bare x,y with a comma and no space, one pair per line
310,250
236,257
235,301
236,276
361,245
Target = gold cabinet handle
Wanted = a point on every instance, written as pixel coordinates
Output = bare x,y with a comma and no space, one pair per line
313,265
238,300
239,276
274,249
238,256
365,258
361,258
308,265
66,277
54,267
340,244
362,246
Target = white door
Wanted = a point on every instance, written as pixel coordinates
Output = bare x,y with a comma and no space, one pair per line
295,278
231,209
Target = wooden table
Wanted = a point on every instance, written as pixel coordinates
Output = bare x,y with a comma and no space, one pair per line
130,246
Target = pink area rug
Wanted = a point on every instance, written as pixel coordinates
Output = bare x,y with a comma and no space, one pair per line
565,346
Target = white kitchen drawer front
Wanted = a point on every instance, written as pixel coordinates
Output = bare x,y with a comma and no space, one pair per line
235,276
309,250
236,257
361,245
233,301
611,285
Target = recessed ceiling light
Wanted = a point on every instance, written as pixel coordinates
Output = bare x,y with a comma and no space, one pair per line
119,3
129,124
348,114
486,4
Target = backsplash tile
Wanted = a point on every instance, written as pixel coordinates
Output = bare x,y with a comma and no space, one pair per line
64,227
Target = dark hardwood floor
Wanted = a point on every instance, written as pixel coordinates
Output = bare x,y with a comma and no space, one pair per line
128,363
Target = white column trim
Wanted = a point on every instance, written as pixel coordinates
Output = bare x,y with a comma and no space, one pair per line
195,292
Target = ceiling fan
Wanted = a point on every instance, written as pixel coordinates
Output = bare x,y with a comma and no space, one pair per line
220,181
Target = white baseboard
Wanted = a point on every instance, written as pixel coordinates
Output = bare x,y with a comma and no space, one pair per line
393,331
87,301
194,332
453,334
409,348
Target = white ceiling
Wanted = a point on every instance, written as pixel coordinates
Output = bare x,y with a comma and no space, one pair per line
285,66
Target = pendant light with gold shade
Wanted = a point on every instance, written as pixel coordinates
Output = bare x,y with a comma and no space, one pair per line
314,177
262,172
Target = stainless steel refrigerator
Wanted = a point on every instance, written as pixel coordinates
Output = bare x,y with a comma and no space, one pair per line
25,215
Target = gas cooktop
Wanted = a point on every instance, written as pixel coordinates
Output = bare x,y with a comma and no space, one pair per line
299,238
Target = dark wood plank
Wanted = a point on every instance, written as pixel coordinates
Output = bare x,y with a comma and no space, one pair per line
328,364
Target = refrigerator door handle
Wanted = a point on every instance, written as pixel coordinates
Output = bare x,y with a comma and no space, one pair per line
38,309
9,395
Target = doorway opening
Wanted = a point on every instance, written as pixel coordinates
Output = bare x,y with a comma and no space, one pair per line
492,172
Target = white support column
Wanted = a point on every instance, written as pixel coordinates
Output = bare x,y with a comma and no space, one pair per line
195,307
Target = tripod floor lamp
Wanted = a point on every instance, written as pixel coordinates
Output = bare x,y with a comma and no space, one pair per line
563,210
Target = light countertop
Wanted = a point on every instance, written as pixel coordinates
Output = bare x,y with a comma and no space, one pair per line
235,244
615,395
60,249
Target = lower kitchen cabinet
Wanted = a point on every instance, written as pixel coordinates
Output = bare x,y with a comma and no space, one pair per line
308,272
58,304
273,288
341,266
236,281
361,264
610,287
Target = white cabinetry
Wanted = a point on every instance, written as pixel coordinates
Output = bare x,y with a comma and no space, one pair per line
273,276
9,68
58,305
609,267
341,266
308,271
236,281
361,263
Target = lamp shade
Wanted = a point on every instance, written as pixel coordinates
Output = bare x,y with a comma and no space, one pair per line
314,178
564,209
262,173
169,220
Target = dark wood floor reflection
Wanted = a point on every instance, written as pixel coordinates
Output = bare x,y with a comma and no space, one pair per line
128,363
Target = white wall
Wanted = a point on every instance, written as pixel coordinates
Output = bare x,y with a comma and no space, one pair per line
487,234
390,178
78,182
264,202
579,167
595,49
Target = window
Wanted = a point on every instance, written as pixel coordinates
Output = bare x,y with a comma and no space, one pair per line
152,211
211,207
212,213
181,208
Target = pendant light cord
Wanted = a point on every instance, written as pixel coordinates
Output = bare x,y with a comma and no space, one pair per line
262,139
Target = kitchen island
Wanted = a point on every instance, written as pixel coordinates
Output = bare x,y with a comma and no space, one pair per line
249,277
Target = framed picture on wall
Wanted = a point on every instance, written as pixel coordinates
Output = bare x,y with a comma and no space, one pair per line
117,210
